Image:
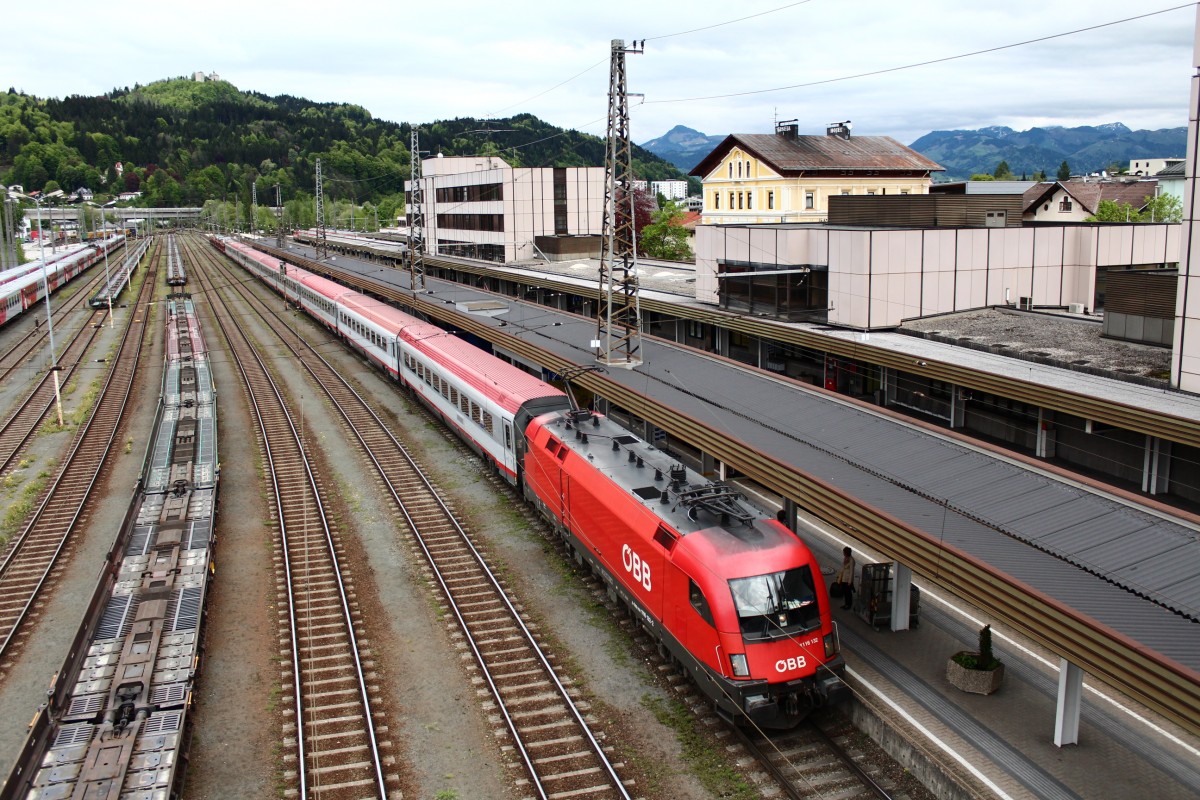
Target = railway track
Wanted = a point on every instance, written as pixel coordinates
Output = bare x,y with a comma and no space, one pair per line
534,708
30,342
17,431
31,558
811,762
338,754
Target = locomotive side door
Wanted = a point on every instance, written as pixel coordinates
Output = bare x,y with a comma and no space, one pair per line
701,636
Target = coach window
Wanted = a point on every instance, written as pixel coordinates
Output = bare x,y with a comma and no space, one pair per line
508,443
696,598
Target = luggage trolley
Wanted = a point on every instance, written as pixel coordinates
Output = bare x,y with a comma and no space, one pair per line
873,600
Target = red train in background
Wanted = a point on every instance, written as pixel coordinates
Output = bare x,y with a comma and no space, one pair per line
730,594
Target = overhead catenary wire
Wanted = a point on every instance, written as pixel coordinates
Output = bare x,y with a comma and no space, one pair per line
925,63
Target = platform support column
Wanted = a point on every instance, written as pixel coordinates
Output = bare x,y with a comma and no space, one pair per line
1156,465
958,407
901,588
887,377
1070,699
1044,447
788,515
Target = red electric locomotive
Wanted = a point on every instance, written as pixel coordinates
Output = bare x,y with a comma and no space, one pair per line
732,595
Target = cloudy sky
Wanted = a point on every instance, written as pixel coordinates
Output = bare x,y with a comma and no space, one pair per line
718,67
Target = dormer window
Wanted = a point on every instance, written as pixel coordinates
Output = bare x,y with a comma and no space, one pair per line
1065,204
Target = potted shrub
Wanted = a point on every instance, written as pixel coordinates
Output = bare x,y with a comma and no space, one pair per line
977,672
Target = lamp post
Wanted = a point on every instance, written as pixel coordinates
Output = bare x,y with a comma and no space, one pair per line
49,315
104,246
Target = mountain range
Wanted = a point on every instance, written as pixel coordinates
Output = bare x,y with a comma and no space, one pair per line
968,152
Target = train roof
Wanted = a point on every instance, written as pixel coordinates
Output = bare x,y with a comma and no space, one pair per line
716,527
322,286
257,255
509,386
388,317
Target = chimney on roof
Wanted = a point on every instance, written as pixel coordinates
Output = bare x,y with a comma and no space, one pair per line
787,128
839,129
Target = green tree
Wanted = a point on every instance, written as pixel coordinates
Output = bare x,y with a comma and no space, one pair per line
1163,208
1003,172
1114,211
1040,175
983,176
1064,172
665,237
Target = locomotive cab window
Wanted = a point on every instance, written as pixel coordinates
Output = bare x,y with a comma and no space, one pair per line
775,605
700,603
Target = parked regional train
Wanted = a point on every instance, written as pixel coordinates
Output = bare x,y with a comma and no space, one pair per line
24,290
732,595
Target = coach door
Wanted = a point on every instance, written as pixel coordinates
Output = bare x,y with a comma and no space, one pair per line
29,295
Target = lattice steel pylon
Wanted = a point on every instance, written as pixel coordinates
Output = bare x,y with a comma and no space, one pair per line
254,207
619,316
416,218
322,245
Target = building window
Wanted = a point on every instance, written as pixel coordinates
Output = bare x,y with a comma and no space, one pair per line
809,200
739,169
870,191
749,199
747,168
730,170
716,200
771,201
1065,205
731,201
904,191
845,192
740,200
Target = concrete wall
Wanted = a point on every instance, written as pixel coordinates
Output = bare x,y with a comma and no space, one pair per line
1185,362
878,278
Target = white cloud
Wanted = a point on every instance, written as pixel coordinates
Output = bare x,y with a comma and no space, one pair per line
472,58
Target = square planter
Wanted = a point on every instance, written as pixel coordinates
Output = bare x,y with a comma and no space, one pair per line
977,681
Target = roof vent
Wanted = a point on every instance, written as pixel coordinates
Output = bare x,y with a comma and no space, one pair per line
839,129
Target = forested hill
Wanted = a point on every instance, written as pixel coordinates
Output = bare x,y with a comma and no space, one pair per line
183,142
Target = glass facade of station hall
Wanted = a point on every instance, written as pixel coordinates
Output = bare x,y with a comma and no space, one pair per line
795,293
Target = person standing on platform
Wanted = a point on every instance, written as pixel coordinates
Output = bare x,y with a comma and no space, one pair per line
845,576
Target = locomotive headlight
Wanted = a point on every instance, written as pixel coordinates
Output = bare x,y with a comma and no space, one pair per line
741,669
830,646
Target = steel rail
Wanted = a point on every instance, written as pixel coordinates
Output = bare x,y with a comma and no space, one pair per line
810,731
313,493
1162,425
22,424
31,340
125,366
371,449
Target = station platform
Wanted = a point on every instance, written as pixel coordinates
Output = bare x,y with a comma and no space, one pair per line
1000,745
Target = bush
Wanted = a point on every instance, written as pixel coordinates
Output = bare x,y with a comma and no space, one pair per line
982,660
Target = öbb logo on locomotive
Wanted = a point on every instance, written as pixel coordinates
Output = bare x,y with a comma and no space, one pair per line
636,567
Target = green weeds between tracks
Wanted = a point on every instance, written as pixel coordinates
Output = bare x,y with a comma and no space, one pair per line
707,762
